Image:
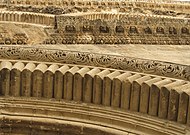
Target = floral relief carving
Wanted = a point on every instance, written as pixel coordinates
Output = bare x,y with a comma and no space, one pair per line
99,60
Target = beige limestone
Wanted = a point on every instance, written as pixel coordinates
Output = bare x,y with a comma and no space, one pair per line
145,94
154,96
107,88
59,81
26,78
78,85
136,91
68,83
88,85
98,86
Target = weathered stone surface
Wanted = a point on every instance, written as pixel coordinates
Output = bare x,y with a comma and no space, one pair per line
154,96
59,81
183,104
26,79
117,89
78,85
145,94
48,81
88,85
120,90
126,91
98,86
174,100
68,83
97,67
16,79
37,80
5,77
107,88
135,93
164,98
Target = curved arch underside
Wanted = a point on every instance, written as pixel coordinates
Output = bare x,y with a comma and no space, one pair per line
29,115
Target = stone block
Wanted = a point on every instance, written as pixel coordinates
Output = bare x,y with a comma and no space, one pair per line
78,83
98,86
116,89
145,94
183,103
164,98
68,83
126,90
15,83
26,80
154,96
174,102
88,85
37,80
107,88
135,93
5,75
188,113
48,81
59,81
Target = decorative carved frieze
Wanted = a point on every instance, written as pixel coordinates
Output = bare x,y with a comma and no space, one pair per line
99,60
109,28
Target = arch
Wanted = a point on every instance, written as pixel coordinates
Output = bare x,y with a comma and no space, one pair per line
70,28
160,30
184,30
87,28
147,30
104,29
172,30
133,30
119,29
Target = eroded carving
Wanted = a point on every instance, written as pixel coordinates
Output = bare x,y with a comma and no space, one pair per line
104,29
172,30
147,30
108,61
133,30
184,30
160,30
119,29
70,28
87,28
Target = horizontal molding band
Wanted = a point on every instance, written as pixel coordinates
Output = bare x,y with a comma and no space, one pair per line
27,17
27,110
154,67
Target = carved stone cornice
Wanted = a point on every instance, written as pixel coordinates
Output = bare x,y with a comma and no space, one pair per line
154,67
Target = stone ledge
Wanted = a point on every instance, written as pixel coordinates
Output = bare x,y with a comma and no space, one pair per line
30,112
160,68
